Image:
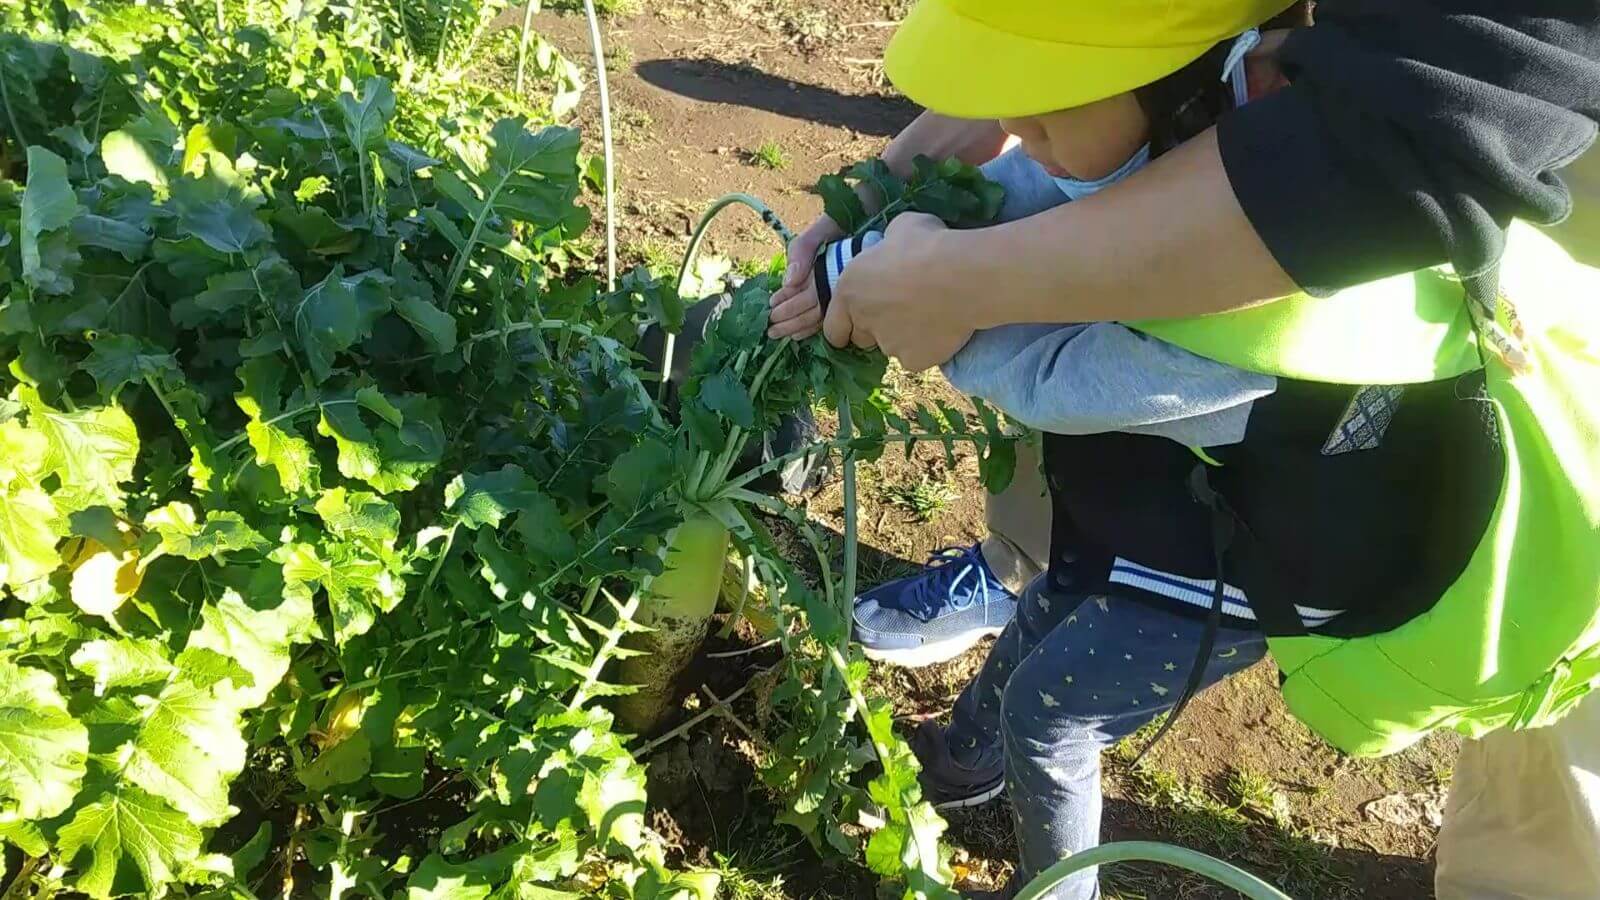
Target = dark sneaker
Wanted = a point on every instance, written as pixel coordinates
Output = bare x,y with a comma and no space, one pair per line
936,615
946,783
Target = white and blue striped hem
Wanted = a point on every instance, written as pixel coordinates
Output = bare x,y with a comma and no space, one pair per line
1199,592
833,258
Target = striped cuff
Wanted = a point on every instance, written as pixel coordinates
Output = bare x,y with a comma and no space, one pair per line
1199,592
832,259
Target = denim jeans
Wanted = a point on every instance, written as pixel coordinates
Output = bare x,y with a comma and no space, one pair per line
1072,674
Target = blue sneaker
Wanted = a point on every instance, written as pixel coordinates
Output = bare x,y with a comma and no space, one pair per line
936,615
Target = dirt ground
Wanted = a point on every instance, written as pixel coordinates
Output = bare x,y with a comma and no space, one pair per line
764,96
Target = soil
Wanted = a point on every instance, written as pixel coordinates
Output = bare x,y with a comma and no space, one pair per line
698,87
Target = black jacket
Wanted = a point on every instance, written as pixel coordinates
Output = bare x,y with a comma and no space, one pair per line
1414,130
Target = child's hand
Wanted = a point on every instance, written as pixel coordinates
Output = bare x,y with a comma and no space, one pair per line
796,312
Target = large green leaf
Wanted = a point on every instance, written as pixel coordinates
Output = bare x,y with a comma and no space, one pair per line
359,516
436,327
487,498
27,538
723,393
48,207
436,879
126,841
366,119
22,452
344,763
120,359
42,748
227,293
21,69
256,636
358,585
527,176
270,429
181,535
92,451
124,662
220,215
187,750
613,798
327,321
127,157
640,474
397,451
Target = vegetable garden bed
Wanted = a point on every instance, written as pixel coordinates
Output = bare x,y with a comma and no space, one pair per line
336,503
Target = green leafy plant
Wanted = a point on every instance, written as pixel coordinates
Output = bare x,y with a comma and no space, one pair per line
924,498
327,482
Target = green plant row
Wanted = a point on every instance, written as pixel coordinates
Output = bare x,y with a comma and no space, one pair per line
330,483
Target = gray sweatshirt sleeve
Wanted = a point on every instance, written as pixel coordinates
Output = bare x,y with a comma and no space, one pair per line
1086,379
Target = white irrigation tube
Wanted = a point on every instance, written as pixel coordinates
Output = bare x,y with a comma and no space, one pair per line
690,255
605,140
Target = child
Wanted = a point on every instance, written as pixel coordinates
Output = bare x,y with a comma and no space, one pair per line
1090,378
1084,665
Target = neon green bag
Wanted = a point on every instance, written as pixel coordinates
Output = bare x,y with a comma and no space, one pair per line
1515,640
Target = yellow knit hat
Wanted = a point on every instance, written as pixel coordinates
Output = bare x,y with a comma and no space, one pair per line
990,59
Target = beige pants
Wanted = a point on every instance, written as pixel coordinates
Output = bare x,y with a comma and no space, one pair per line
1523,821
1018,545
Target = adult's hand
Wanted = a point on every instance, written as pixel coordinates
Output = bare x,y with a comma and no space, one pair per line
900,297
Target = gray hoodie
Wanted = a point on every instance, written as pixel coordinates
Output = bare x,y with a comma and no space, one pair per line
1096,377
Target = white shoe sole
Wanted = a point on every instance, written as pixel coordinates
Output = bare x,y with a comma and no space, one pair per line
931,654
974,800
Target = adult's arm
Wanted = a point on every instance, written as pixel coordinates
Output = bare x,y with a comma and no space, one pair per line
1170,241
1412,132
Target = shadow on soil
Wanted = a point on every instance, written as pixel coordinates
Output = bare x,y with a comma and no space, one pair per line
712,81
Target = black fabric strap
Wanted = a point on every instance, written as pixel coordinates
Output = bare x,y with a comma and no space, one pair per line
1223,527
819,277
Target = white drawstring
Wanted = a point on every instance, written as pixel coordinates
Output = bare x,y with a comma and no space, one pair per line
1233,69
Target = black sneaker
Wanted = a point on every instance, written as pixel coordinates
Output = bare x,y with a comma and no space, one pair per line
946,783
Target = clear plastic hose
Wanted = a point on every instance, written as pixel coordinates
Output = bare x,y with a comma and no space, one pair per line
1149,851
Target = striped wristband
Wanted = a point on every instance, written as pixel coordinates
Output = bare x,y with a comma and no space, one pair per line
832,259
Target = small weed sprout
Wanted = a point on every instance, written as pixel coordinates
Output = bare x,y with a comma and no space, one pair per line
924,499
1259,794
770,156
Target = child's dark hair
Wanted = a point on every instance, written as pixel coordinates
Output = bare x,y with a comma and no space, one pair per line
1193,98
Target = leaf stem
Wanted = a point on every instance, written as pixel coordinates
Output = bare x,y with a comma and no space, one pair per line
236,439
24,878
850,533
438,564
11,113
161,395
522,43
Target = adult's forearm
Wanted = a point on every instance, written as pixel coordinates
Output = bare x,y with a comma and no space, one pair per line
972,141
1171,241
